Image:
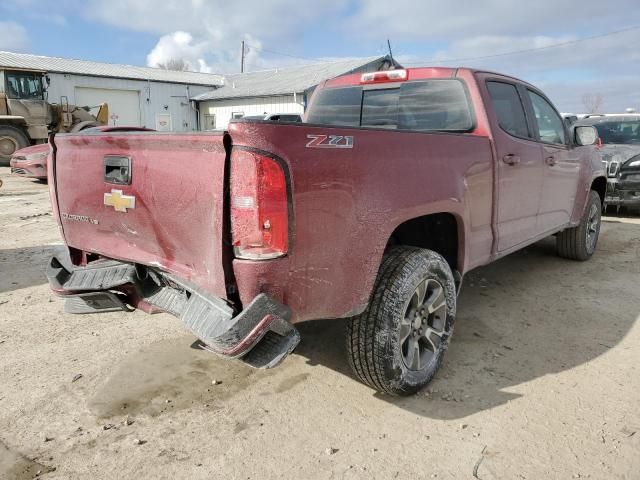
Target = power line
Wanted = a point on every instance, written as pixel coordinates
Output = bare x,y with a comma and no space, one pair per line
262,49
528,50
464,59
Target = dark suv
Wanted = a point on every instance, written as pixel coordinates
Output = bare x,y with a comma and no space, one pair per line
620,138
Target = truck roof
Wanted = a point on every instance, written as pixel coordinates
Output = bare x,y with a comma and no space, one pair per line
419,73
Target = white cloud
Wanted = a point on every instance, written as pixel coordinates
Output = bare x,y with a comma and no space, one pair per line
216,27
439,20
13,37
179,46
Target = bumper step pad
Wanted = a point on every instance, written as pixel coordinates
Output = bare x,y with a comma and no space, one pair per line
95,302
272,349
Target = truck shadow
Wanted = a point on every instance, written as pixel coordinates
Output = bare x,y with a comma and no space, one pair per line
24,267
523,317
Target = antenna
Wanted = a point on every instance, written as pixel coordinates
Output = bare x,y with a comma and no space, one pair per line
390,52
242,59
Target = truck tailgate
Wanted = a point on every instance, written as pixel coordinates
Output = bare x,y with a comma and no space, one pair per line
169,216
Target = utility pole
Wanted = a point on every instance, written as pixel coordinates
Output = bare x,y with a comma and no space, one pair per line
242,59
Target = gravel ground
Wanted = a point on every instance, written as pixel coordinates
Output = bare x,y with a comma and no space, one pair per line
541,380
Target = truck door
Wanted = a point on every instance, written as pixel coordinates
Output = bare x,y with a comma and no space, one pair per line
561,164
518,164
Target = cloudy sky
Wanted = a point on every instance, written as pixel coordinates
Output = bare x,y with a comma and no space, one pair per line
600,55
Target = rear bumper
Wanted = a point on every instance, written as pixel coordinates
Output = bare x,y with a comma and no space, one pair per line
261,334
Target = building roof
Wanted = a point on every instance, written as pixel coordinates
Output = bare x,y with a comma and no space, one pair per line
286,80
96,69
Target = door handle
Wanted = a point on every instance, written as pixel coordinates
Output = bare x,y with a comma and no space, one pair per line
551,161
511,159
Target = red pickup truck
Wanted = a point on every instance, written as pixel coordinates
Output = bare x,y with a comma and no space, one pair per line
396,184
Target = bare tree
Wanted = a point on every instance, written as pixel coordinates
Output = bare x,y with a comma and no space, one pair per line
177,64
592,103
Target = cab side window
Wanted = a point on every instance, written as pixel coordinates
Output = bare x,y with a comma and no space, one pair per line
24,85
509,110
550,125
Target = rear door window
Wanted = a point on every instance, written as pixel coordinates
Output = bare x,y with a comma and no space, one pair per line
508,107
432,105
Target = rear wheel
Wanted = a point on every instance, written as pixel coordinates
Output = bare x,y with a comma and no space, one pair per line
580,242
11,139
397,344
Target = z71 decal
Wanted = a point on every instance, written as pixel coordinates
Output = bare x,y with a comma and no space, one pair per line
330,141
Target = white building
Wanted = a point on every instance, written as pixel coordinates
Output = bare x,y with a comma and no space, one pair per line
137,96
273,91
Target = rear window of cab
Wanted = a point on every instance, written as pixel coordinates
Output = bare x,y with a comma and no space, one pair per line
429,105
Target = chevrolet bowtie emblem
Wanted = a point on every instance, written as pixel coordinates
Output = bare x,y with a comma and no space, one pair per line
119,201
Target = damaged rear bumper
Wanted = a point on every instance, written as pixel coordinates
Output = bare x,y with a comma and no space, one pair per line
261,335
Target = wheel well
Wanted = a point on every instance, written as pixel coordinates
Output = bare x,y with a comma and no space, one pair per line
600,186
437,232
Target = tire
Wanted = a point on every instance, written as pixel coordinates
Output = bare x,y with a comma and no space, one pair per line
380,340
579,243
11,139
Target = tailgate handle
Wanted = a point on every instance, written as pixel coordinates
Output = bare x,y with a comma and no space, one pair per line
117,170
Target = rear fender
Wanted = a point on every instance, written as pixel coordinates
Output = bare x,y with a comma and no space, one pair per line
457,264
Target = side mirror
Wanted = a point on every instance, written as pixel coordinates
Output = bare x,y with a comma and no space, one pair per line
585,135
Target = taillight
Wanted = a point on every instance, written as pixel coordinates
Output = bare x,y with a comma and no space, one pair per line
259,212
384,76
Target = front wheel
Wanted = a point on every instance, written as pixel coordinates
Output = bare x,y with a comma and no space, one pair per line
397,344
579,243
11,140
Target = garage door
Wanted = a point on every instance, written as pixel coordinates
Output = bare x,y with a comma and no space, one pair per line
124,105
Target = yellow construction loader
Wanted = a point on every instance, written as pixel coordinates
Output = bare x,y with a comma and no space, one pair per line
27,118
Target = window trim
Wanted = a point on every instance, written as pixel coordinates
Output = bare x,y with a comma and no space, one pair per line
527,119
536,132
